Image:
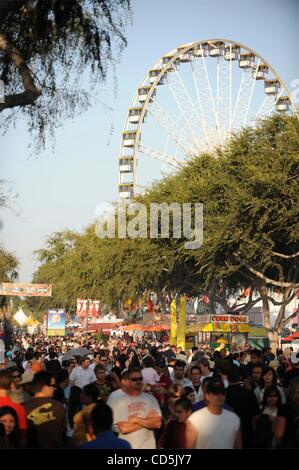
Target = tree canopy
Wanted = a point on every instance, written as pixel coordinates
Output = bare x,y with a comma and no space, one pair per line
46,47
8,266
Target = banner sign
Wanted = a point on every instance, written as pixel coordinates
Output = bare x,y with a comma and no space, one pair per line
25,290
230,318
223,318
56,322
88,308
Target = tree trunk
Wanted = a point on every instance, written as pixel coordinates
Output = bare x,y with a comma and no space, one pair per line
274,340
272,332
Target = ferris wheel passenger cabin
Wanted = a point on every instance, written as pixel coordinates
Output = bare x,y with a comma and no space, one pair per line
283,103
135,114
143,93
247,60
217,49
126,190
129,138
153,74
185,56
167,58
272,87
202,50
232,52
126,164
261,72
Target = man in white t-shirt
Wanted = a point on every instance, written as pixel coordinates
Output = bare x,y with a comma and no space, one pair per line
82,375
120,392
213,427
136,414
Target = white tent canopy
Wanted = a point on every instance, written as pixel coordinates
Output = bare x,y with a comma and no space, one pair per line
20,317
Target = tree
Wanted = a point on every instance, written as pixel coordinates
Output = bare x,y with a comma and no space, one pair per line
250,191
46,47
8,266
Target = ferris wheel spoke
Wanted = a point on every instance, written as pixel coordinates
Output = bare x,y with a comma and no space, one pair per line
186,107
178,135
158,155
224,79
268,105
201,95
212,100
205,97
244,98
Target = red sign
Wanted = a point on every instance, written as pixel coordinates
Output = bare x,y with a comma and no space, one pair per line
230,318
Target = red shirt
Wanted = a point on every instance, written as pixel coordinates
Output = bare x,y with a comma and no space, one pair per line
19,409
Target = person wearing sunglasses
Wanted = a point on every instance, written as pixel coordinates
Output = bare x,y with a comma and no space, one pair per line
46,416
137,414
16,377
19,392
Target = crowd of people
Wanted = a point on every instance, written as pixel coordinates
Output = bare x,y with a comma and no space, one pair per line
135,393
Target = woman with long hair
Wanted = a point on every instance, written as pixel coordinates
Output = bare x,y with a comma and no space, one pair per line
264,424
269,377
10,437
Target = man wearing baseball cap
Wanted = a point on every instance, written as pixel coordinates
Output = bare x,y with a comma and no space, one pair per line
213,427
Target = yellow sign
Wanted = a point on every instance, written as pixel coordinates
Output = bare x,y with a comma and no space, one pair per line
173,324
181,338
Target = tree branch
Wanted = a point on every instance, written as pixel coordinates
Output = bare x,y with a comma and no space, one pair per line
286,321
32,92
270,281
10,6
281,255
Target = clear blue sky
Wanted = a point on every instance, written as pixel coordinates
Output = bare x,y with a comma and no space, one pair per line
62,189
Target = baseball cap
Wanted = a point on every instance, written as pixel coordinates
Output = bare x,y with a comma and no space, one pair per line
215,387
27,377
182,357
295,357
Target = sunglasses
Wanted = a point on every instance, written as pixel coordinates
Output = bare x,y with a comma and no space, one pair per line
16,376
273,396
136,379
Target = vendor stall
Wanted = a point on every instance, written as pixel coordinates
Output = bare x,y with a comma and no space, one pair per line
233,329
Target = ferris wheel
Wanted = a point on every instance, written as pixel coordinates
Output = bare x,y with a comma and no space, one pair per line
191,101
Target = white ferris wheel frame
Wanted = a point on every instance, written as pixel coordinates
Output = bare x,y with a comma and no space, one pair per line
185,103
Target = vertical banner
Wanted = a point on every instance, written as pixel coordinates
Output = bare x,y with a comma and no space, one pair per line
56,322
95,308
173,324
181,336
81,308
